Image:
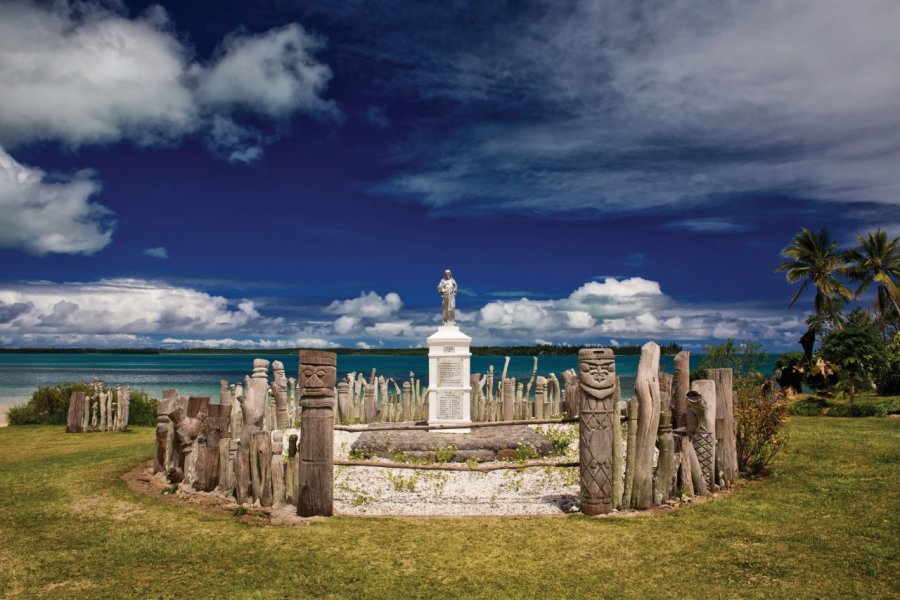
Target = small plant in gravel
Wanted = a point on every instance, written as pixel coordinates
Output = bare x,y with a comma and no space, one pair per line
440,482
403,484
526,452
362,499
561,438
514,480
444,454
361,454
239,511
472,463
170,489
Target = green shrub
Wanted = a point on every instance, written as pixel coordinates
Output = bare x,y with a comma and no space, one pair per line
141,409
808,407
444,454
892,407
22,414
887,379
856,353
743,358
851,410
760,413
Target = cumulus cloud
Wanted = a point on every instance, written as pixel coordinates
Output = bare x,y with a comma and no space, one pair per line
263,343
81,73
368,305
121,307
614,107
42,214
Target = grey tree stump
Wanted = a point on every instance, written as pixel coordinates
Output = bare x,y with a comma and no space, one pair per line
665,463
681,385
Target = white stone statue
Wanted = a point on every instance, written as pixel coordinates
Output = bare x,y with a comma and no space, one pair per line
447,287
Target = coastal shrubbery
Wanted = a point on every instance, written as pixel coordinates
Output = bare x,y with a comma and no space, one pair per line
49,405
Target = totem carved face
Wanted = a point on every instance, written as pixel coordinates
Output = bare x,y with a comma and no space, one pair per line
318,373
597,372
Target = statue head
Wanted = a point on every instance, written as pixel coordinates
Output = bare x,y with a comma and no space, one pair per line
447,274
318,373
597,372
278,374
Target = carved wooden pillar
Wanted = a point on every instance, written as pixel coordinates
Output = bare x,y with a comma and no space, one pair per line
318,372
290,485
540,396
646,388
618,451
701,401
279,391
597,382
369,402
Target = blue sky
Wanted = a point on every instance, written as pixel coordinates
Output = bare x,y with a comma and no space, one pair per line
282,173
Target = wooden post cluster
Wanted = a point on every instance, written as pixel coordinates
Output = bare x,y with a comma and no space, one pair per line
318,372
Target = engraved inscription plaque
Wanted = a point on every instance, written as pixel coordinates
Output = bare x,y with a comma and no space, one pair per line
449,404
449,349
450,372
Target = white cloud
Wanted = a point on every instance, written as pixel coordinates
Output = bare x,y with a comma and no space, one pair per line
81,73
272,73
628,106
345,324
368,305
614,297
121,306
261,343
40,214
158,252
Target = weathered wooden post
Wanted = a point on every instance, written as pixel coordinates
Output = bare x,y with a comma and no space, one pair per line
76,413
646,388
701,401
368,402
508,389
318,372
343,401
540,393
277,467
597,383
618,452
218,421
279,392
726,444
163,427
253,411
665,463
261,467
681,385
290,483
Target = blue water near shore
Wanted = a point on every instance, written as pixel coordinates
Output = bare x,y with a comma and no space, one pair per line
199,374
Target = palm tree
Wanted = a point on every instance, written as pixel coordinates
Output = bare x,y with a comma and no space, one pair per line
813,259
876,261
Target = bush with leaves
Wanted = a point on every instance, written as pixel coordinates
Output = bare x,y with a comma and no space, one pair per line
887,379
760,413
49,405
141,409
856,353
744,358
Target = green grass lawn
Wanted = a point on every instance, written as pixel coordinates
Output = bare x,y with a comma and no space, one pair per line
825,525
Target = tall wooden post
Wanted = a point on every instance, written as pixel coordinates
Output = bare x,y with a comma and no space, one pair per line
290,484
368,402
318,372
646,388
597,382
343,401
618,453
509,399
726,444
279,393
701,402
665,463
76,413
681,385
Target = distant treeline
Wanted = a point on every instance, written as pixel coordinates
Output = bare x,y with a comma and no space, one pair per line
539,350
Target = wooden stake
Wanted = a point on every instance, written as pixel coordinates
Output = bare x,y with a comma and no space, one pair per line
316,470
646,388
726,444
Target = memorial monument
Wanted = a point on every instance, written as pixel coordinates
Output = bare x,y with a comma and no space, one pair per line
448,366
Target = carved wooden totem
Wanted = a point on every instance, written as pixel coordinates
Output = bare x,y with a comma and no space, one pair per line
279,391
701,402
318,374
597,382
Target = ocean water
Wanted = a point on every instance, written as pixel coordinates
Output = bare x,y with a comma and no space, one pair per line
21,374
199,374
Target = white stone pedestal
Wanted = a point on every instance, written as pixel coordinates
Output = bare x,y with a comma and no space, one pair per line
449,389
